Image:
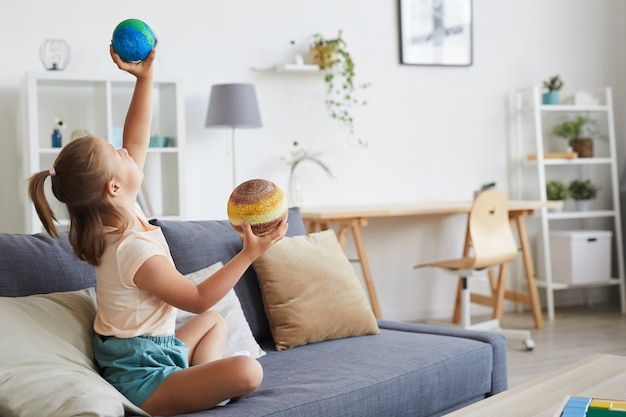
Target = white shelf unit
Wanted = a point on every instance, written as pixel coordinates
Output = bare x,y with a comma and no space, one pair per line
99,105
533,135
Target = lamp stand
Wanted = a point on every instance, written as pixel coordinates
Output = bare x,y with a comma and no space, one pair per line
234,164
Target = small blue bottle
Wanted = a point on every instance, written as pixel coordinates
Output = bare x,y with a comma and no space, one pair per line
56,138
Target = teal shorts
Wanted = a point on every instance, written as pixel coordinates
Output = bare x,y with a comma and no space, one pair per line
138,365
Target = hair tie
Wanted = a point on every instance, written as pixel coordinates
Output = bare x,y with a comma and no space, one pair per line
52,171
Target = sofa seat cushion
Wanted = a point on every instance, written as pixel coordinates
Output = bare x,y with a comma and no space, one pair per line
399,373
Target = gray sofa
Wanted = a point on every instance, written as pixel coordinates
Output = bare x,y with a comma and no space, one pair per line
407,370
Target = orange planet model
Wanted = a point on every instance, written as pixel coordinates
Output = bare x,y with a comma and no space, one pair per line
260,202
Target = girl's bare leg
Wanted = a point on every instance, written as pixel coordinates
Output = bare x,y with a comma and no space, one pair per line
203,386
205,336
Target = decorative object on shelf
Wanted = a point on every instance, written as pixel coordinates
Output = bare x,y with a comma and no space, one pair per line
556,191
297,156
79,133
54,54
233,105
259,202
298,59
337,65
57,137
133,40
579,132
436,32
158,141
553,85
583,191
553,155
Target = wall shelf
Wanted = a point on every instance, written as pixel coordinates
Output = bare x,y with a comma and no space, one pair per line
291,68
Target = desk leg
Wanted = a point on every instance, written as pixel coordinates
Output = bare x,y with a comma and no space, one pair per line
533,293
365,266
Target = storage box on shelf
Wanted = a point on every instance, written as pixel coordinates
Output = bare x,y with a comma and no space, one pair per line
98,104
539,157
578,256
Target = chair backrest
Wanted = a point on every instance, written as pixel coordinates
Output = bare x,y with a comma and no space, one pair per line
490,230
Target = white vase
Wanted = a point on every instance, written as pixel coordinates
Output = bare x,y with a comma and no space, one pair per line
295,194
583,205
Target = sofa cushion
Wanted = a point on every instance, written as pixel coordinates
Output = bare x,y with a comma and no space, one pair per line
46,359
239,334
40,264
311,292
407,371
197,244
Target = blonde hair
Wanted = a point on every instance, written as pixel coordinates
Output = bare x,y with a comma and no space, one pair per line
79,178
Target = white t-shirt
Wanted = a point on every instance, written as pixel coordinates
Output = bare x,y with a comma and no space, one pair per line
125,310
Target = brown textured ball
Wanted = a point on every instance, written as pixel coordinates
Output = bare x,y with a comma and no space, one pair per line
259,202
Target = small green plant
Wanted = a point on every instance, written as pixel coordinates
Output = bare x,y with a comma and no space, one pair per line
337,65
583,190
556,190
553,83
578,127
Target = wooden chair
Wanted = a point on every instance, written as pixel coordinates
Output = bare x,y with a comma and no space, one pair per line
489,243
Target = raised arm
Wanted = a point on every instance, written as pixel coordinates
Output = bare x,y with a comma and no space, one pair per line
139,117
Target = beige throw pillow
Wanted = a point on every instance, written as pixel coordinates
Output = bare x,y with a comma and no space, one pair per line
311,292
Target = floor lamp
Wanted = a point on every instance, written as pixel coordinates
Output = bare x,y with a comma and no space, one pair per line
233,105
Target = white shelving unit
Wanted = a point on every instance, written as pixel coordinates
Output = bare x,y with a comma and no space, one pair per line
533,136
99,105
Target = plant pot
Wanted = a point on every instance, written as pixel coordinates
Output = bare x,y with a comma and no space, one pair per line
324,56
551,97
583,205
582,146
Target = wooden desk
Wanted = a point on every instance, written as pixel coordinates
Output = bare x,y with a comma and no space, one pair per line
597,376
353,218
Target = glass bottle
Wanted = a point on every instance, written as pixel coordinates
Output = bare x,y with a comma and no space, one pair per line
56,138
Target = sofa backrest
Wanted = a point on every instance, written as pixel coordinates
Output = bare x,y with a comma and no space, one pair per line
197,244
39,264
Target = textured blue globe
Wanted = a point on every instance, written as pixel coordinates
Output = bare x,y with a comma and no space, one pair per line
133,40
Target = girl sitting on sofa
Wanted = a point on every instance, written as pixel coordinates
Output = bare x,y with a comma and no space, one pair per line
162,370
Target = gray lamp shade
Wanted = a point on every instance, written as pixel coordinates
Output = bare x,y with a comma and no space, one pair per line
233,105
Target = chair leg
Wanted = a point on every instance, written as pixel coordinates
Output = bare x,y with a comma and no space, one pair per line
456,316
466,321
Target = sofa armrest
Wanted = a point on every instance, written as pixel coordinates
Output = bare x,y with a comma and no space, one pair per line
497,341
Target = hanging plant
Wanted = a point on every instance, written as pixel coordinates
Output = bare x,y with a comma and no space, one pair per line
336,63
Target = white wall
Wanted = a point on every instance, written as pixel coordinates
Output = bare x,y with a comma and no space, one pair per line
434,133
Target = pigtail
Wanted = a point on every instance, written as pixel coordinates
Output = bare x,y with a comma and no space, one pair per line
38,197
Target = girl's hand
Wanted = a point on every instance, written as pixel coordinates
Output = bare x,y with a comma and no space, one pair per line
254,246
138,69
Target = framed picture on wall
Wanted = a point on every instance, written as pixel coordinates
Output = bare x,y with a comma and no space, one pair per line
435,32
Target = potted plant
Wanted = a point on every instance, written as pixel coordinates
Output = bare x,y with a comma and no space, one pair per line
556,191
336,63
553,85
578,132
583,191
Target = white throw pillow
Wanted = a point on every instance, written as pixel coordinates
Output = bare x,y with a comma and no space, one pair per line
46,359
240,336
